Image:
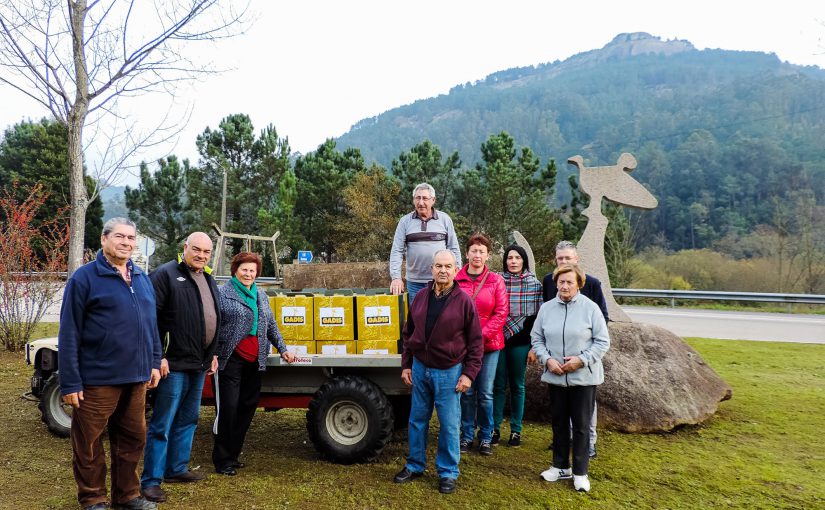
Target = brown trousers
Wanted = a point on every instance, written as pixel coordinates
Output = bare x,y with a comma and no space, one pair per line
122,408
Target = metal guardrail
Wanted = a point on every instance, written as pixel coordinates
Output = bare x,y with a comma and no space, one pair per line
817,299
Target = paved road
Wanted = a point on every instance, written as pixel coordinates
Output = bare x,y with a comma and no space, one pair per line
776,327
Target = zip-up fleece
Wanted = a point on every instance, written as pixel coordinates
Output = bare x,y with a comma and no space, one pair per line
180,316
575,328
108,330
455,338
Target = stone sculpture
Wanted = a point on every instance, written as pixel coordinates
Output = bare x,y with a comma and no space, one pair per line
613,183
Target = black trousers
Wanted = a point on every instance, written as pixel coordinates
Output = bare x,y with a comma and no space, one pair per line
572,404
239,387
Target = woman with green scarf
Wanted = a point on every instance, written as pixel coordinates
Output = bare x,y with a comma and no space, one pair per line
247,329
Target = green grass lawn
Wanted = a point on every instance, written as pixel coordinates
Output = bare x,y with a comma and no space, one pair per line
763,449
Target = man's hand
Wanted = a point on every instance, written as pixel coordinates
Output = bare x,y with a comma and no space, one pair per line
288,356
464,384
397,286
531,357
555,367
154,379
213,368
406,376
73,399
164,368
572,363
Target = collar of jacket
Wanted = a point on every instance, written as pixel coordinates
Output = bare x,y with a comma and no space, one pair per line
206,268
235,296
464,276
572,300
104,268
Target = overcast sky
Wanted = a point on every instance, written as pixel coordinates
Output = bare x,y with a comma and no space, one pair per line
314,68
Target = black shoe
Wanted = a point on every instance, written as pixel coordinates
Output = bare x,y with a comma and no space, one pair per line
484,448
446,485
238,465
153,493
96,506
228,471
464,446
140,503
496,438
405,475
515,440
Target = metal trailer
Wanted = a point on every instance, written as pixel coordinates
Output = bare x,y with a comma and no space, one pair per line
354,402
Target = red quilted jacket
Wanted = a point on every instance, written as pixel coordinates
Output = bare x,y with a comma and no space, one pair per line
491,304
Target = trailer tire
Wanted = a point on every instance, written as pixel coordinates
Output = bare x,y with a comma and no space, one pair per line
350,420
53,411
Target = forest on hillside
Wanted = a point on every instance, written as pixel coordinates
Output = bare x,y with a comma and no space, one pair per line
731,144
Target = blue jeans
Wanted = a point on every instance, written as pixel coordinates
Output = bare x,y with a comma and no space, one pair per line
432,387
412,290
170,433
477,402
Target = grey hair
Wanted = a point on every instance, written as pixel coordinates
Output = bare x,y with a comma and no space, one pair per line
425,186
439,252
566,245
110,224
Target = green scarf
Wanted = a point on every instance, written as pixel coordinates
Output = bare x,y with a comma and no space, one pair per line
250,297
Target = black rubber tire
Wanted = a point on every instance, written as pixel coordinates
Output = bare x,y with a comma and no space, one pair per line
52,410
350,420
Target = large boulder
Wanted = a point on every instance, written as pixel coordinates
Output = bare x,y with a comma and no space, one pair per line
654,382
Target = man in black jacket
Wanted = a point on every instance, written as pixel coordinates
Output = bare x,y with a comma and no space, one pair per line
188,320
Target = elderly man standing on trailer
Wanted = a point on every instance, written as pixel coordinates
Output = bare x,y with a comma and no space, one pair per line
418,236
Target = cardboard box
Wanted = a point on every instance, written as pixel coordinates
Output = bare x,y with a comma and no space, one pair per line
376,347
335,347
299,347
379,317
295,316
334,317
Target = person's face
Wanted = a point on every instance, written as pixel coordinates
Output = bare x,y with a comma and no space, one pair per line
197,251
423,202
444,269
119,244
567,256
246,273
477,256
515,264
567,285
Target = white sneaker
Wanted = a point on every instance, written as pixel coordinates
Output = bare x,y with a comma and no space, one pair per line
581,483
553,474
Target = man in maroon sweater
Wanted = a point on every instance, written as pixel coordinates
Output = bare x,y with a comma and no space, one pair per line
443,348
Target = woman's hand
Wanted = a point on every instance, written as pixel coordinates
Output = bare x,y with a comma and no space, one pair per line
572,363
554,366
288,356
531,357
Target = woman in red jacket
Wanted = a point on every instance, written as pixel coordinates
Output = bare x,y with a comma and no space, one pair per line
490,297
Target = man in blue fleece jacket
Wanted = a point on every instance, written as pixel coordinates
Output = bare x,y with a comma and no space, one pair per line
108,353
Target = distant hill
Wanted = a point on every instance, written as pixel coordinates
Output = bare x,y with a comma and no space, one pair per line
721,129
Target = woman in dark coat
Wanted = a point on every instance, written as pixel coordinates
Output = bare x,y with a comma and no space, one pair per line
247,329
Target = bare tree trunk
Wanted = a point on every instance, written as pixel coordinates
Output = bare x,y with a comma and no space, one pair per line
76,119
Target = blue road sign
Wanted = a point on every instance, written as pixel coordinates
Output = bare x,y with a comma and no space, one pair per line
304,257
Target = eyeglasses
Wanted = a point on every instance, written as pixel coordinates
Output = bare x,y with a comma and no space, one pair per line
121,237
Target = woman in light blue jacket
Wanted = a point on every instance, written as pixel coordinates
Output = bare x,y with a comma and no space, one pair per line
570,338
